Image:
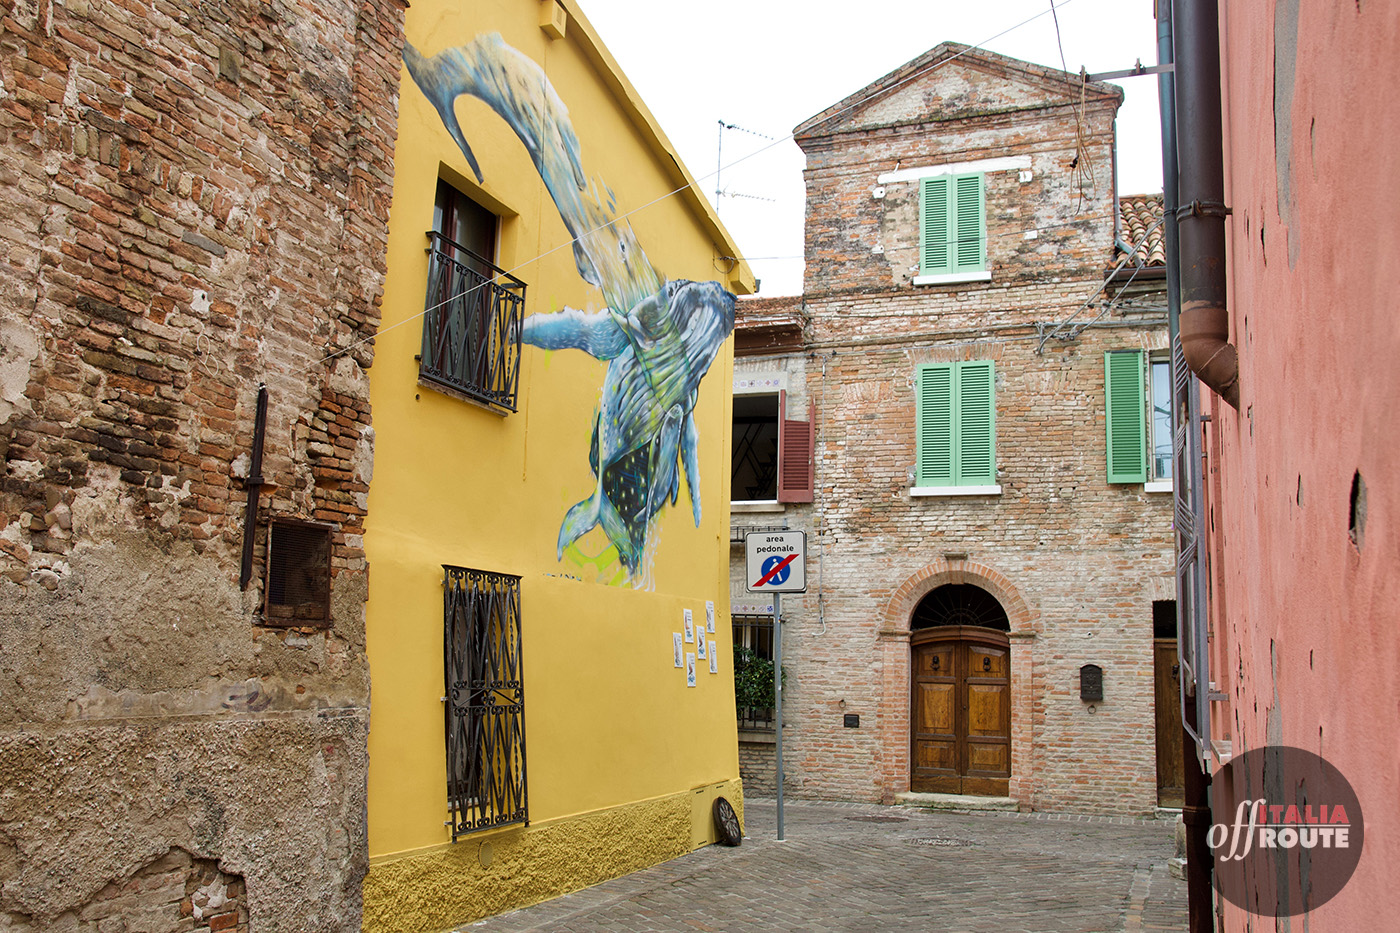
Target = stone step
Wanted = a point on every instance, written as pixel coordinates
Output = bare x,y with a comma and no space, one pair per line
955,802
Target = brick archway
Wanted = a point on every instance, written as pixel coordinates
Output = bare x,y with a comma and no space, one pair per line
893,651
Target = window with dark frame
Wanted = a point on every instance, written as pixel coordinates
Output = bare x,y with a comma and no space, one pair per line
473,311
772,455
297,589
755,453
484,719
753,672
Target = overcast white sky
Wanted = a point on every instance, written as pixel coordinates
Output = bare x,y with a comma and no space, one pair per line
767,65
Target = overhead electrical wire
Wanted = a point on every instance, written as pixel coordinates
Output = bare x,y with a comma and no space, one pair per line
776,142
1082,168
1137,247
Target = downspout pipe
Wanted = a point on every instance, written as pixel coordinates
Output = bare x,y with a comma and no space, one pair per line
1196,811
1205,319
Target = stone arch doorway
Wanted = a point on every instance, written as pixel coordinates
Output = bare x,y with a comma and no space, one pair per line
960,703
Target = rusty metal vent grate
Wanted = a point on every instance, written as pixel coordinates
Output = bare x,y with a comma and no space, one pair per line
298,573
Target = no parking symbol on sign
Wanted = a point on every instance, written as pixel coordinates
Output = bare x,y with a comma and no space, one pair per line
776,561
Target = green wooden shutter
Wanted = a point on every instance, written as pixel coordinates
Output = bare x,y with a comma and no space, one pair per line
935,425
976,424
936,257
969,225
1127,425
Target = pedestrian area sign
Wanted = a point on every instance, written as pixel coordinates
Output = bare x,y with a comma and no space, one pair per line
775,561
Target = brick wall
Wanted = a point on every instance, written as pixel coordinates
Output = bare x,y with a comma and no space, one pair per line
176,893
195,202
1075,561
758,766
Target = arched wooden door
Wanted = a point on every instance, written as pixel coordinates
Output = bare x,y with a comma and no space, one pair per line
960,719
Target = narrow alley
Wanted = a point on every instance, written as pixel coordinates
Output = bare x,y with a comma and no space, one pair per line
857,867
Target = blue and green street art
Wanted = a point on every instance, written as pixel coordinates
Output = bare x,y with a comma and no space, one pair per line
658,336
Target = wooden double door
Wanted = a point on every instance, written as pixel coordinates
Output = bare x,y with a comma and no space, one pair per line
960,720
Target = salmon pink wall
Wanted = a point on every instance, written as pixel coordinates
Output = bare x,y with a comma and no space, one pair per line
1304,612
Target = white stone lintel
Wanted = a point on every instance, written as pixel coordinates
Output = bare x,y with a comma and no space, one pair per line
916,491
1009,164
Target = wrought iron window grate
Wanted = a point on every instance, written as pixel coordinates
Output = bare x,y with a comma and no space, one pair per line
471,325
485,714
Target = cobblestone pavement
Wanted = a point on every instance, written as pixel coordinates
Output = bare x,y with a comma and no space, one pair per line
859,867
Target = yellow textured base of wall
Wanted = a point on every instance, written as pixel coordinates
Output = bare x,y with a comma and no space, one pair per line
492,872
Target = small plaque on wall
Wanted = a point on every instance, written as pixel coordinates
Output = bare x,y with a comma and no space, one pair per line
1091,683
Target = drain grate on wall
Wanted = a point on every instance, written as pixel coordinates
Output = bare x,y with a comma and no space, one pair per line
944,842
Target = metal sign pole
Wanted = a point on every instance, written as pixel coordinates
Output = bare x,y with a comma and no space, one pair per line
778,698
776,562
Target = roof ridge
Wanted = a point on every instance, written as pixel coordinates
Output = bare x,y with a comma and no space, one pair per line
932,59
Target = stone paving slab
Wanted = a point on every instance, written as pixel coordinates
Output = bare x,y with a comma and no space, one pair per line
859,867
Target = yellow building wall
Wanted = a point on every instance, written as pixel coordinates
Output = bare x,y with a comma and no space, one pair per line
619,748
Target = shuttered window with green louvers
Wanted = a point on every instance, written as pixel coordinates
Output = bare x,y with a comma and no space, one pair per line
1125,400
953,236
956,431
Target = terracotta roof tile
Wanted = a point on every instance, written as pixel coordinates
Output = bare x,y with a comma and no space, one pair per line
1139,213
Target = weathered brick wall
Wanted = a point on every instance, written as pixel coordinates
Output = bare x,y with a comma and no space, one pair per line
864,234
757,761
194,202
1087,557
1075,561
758,766
176,893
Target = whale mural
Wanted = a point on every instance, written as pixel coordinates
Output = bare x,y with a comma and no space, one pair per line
658,336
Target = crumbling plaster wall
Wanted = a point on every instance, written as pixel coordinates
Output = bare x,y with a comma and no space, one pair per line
195,202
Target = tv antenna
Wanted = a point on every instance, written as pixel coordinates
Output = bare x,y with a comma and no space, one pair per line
719,167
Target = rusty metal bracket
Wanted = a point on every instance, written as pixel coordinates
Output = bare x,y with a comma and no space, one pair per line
1199,208
1137,70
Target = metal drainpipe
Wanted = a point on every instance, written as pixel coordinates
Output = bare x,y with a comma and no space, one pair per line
1205,320
1196,812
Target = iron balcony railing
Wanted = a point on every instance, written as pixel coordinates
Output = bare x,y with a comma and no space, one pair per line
755,718
471,325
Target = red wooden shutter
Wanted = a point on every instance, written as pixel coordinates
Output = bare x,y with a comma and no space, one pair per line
796,449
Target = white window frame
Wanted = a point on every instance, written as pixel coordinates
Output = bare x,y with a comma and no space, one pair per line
1156,483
